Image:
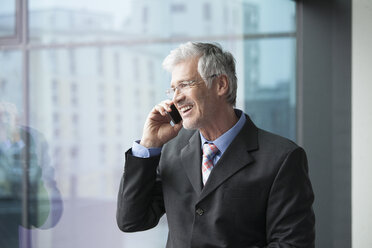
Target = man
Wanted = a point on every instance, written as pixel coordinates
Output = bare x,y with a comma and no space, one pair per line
222,181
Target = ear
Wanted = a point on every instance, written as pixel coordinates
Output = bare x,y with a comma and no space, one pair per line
222,83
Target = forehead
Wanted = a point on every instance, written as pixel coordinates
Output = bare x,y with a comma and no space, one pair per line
185,70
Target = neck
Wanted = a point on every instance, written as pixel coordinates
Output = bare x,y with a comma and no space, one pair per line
223,120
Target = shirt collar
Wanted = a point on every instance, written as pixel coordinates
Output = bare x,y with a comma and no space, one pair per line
225,139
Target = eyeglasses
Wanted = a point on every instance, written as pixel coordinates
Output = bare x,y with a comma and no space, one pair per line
184,85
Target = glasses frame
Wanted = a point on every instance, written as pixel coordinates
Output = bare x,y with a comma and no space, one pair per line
184,85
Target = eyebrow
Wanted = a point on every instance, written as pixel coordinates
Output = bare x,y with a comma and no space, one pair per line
181,81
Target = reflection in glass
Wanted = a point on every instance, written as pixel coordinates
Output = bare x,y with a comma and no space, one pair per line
7,18
29,196
28,193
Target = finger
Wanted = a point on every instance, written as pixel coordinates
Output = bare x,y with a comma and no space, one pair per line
166,104
164,107
160,109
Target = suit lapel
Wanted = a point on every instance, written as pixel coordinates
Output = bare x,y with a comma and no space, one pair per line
191,161
235,158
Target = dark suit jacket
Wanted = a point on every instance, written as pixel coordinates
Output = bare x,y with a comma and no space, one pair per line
258,194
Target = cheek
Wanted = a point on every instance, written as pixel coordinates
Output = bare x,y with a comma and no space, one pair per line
200,105
201,99
206,103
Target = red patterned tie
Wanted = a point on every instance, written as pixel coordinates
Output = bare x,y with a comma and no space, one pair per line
209,151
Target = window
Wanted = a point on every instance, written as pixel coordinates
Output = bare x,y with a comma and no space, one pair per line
145,14
93,72
116,65
11,79
207,12
178,7
99,61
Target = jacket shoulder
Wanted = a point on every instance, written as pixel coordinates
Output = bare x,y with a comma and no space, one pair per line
275,143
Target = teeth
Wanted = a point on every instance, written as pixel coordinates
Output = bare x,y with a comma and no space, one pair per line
183,109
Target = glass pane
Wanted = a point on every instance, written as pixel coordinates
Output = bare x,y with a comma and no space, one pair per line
268,16
7,18
11,89
269,84
138,21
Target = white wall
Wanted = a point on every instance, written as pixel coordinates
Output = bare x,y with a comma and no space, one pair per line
362,123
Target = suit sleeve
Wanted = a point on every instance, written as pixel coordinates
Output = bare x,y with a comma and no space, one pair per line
140,199
290,217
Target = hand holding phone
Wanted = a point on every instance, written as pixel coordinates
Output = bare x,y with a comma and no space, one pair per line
157,130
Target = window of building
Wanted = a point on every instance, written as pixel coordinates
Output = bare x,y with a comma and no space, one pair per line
117,65
145,13
178,7
99,61
207,12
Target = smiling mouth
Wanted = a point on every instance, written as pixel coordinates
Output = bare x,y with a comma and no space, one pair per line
185,109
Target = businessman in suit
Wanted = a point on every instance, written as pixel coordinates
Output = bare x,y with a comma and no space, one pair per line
221,181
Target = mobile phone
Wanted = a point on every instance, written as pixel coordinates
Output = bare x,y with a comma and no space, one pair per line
174,115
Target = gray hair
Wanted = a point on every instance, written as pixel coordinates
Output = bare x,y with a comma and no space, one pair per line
213,61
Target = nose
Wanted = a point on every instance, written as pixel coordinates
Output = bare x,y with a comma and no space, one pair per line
177,96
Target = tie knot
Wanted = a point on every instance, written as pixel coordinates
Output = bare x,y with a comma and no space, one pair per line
210,150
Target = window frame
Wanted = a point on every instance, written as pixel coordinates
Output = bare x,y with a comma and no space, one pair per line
16,38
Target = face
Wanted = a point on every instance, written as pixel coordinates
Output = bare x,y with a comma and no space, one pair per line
196,104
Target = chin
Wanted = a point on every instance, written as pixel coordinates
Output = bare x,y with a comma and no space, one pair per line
189,125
